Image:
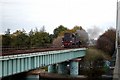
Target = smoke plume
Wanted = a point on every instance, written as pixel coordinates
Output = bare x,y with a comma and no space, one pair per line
94,32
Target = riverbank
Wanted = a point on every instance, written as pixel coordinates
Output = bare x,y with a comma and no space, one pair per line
54,76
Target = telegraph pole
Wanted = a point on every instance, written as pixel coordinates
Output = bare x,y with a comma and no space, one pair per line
116,74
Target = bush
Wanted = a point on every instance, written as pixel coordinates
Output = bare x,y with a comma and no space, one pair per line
94,63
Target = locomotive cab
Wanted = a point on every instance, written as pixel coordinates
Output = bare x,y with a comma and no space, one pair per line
68,39
71,40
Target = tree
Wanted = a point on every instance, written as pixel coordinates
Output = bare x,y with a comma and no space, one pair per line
106,41
6,40
7,32
51,36
42,29
77,28
57,42
73,30
66,31
31,35
58,30
110,34
45,38
20,39
94,65
40,39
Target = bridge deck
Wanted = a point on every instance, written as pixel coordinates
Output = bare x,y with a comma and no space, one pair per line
13,51
12,64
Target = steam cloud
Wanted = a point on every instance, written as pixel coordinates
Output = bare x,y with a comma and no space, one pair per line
94,32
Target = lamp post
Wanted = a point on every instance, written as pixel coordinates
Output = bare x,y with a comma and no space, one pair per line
116,74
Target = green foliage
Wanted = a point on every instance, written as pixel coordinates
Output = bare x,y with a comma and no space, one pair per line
35,38
58,30
96,54
94,62
40,39
51,36
20,39
77,28
6,40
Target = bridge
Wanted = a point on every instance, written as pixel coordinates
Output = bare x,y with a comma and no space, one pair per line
13,64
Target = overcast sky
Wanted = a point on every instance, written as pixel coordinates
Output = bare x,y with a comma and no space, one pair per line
28,14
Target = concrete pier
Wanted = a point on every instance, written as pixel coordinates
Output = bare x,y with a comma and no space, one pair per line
52,68
74,68
62,68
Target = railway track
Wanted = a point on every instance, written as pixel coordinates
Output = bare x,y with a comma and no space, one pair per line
12,51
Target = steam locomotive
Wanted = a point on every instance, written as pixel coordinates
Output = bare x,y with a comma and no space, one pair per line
71,40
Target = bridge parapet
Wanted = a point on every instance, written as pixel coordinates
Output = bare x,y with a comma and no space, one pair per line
13,64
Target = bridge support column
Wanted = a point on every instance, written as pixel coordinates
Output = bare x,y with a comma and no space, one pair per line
52,68
74,67
62,68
